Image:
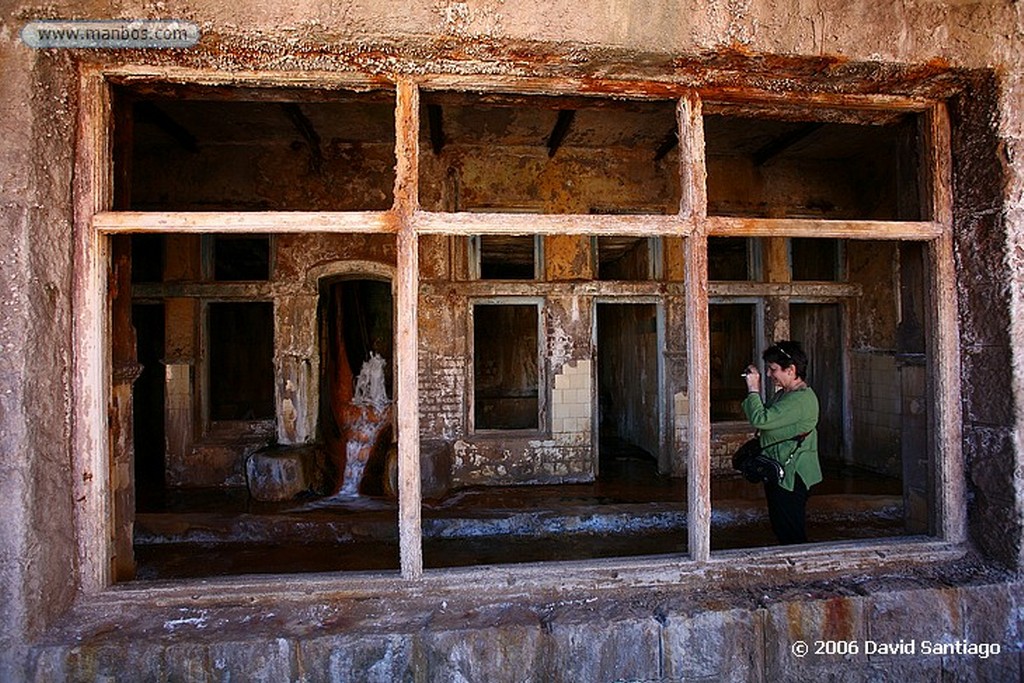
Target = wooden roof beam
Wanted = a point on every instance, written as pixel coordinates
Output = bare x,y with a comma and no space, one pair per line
561,129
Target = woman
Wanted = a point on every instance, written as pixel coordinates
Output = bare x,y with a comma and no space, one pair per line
786,423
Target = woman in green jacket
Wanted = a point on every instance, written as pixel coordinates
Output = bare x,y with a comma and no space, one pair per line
787,414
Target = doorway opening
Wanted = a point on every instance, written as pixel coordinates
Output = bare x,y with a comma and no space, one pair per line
356,389
627,380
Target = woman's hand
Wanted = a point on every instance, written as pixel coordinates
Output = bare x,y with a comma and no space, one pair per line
753,378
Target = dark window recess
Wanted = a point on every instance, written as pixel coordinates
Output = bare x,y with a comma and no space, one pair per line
732,349
241,361
505,366
728,258
507,258
623,258
147,258
241,258
789,167
815,259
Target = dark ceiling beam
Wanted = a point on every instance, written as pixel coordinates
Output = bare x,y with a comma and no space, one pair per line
435,117
308,132
784,142
147,112
667,145
561,129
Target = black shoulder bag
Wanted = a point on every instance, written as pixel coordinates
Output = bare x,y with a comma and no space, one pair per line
755,466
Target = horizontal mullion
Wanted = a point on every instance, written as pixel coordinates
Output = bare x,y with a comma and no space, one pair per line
552,224
805,288
723,226
245,221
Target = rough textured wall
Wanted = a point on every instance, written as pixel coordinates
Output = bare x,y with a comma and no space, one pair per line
983,234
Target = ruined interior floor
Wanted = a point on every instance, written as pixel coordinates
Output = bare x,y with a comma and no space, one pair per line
628,511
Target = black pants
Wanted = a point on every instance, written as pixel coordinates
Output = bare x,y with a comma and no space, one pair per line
787,511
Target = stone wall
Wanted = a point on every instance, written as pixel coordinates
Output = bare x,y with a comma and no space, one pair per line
627,633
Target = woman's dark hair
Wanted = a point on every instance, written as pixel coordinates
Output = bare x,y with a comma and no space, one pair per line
785,354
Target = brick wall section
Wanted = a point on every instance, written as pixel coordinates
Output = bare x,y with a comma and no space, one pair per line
442,384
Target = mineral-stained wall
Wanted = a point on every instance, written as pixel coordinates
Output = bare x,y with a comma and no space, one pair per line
860,46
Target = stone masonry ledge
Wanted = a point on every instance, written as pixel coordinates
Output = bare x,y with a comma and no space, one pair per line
443,629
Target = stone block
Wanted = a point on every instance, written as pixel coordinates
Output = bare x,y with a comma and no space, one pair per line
283,472
619,650
723,645
342,657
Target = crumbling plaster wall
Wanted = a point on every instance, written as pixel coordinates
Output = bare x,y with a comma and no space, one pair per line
37,110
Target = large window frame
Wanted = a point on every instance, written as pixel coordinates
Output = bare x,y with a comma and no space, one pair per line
96,223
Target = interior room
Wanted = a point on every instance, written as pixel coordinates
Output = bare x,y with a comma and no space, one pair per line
552,367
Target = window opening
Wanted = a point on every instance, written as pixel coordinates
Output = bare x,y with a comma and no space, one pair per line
504,257
530,370
241,258
872,442
733,331
506,389
729,258
241,360
815,259
147,258
627,258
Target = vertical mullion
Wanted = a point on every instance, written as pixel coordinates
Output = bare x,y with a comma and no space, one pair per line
93,192
944,344
694,205
407,334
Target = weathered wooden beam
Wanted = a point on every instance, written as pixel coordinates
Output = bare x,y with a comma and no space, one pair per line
645,225
90,383
244,222
783,142
943,338
693,174
147,112
667,145
724,226
307,130
410,534
561,129
435,119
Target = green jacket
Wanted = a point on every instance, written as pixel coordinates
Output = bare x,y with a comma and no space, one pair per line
783,416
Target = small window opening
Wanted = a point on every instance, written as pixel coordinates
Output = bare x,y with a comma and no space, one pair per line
732,334
728,258
815,259
505,257
626,258
505,366
241,360
241,258
147,258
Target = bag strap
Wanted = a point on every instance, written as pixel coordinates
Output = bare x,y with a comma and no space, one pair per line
799,438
